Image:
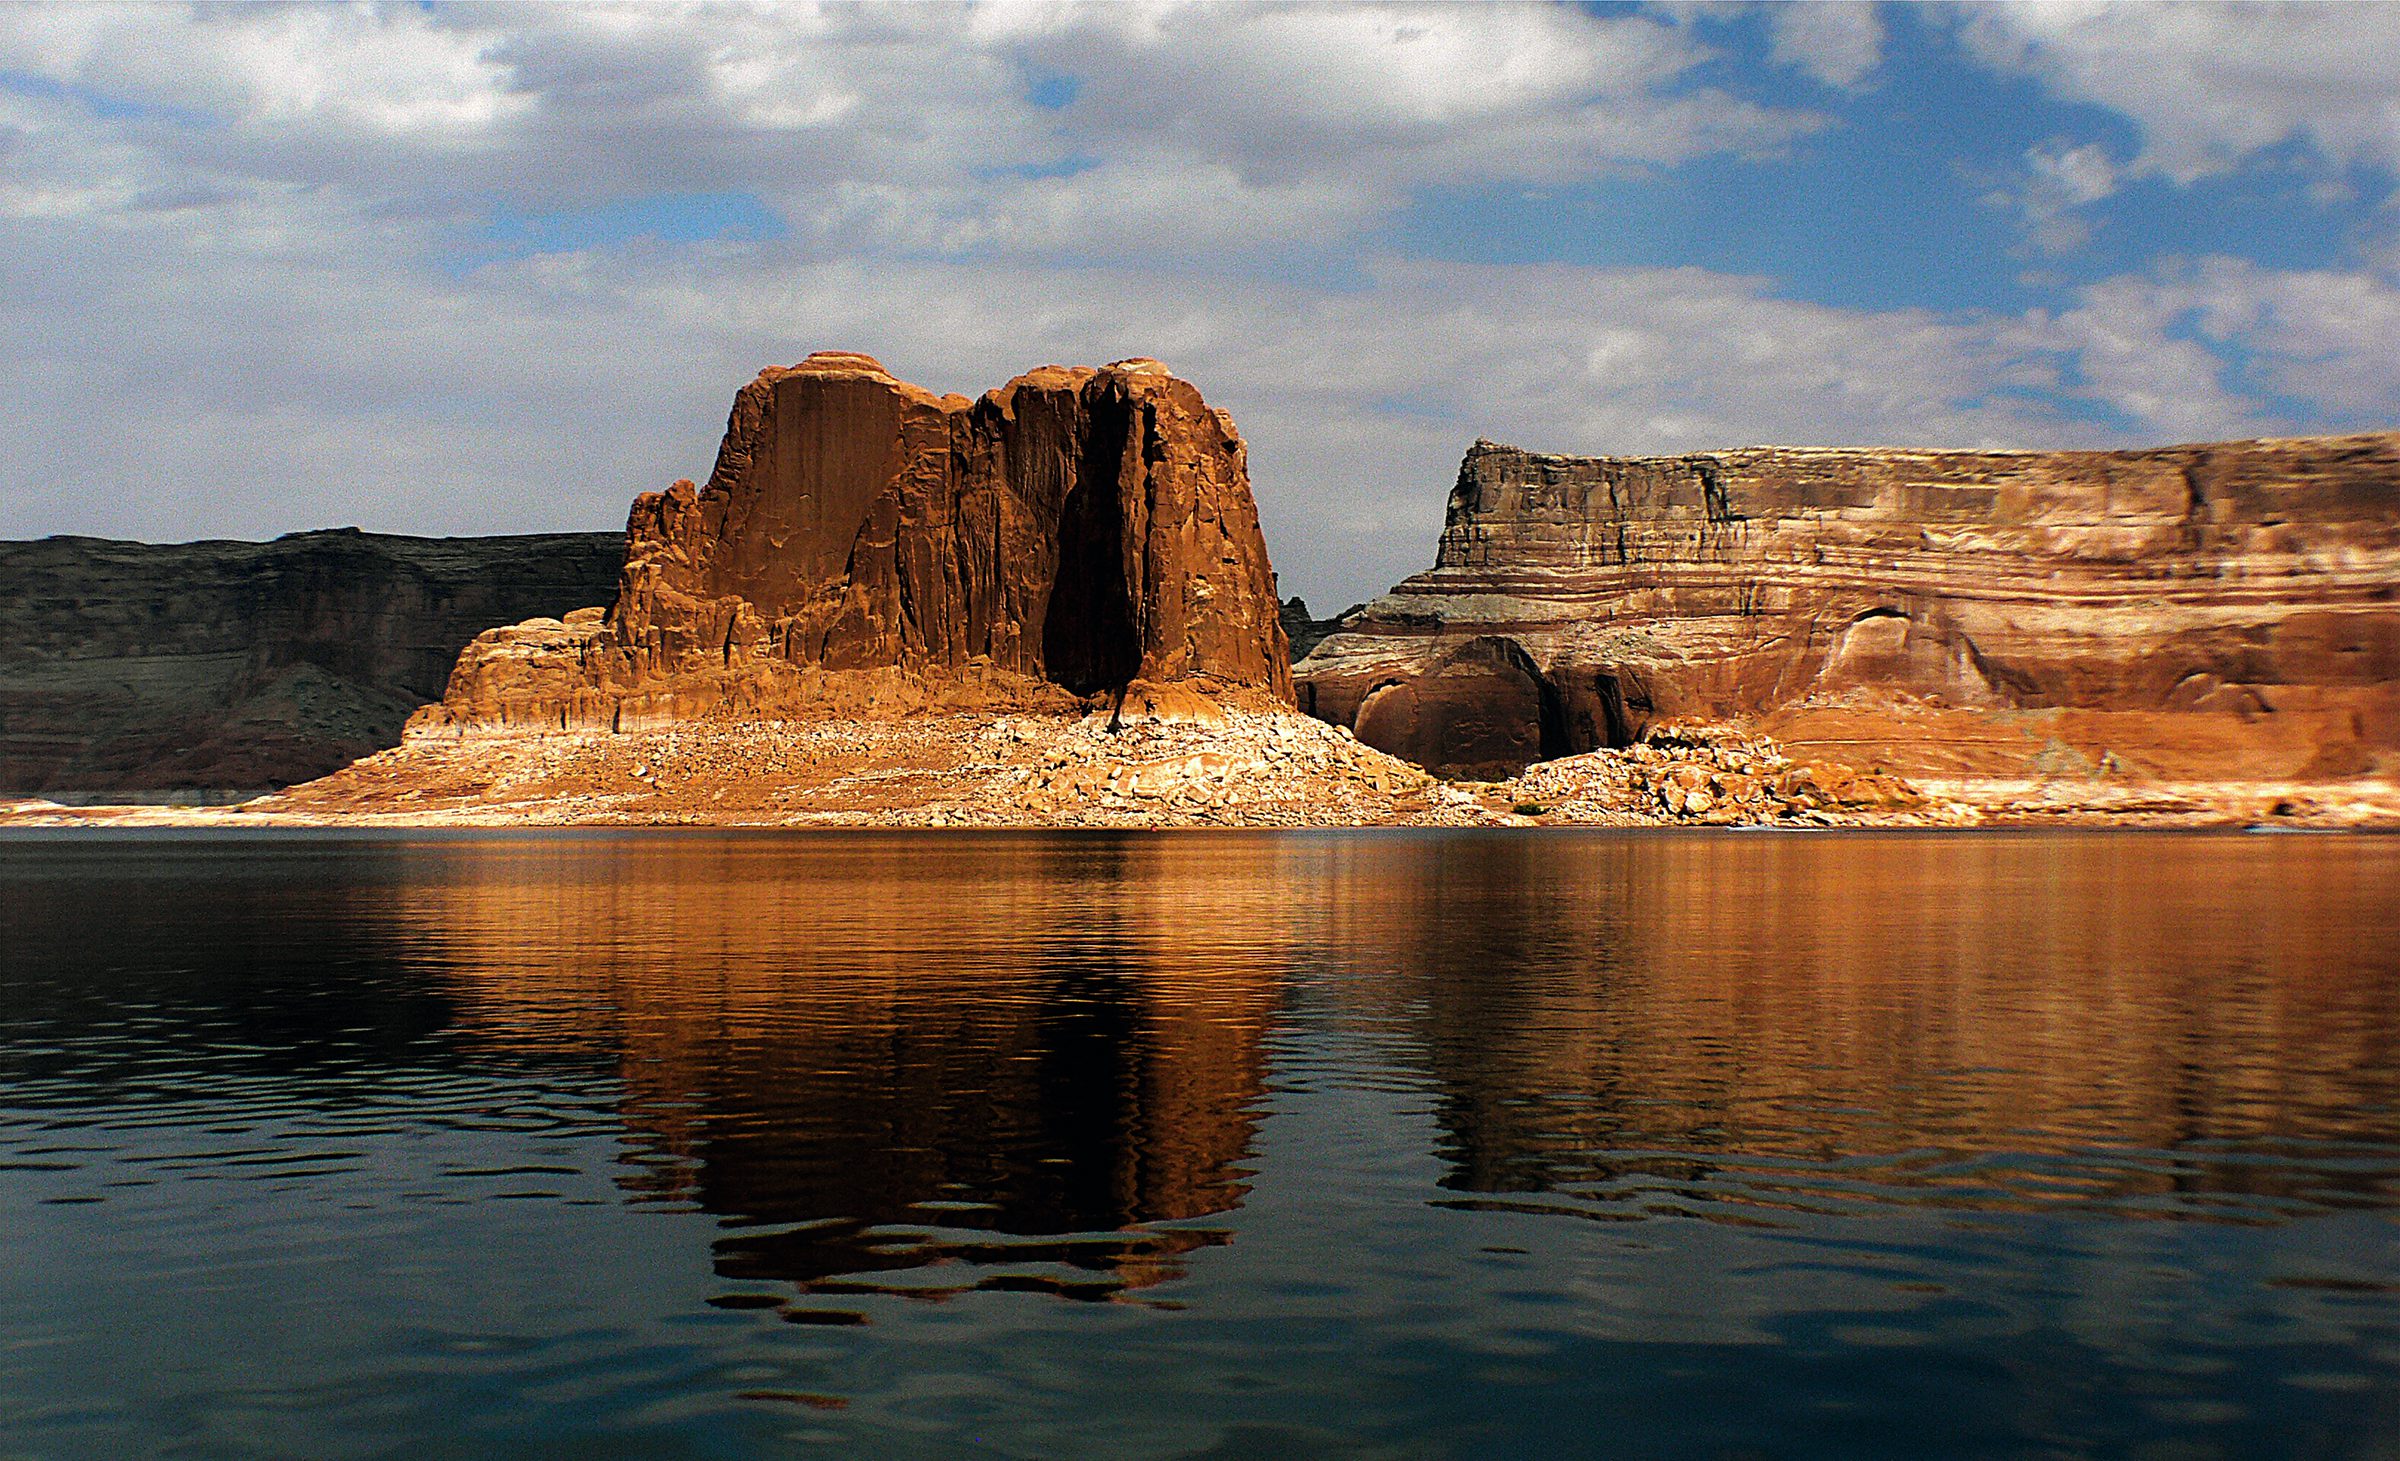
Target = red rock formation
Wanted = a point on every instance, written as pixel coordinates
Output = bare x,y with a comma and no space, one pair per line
865,544
2222,611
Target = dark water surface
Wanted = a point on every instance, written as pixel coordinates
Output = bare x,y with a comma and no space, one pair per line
673,1145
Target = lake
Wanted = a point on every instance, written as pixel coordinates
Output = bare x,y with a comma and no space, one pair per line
688,1144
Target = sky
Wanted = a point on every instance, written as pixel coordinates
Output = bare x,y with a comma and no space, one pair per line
457,269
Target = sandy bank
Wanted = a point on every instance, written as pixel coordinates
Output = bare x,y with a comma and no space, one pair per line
1228,768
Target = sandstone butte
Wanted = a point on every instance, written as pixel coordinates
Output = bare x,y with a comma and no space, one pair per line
864,545
1048,606
1052,606
2216,613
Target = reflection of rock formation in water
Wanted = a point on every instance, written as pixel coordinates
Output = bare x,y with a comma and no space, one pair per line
1650,1013
949,1066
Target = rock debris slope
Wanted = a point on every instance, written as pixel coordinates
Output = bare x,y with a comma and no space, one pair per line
865,546
2222,611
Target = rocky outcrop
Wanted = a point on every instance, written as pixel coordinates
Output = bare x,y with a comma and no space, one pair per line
200,669
864,545
2214,611
1306,632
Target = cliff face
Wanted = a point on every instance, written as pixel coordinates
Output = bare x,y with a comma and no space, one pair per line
2223,611
224,666
862,539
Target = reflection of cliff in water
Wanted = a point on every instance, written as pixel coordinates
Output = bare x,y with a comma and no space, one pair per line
899,1063
1649,1023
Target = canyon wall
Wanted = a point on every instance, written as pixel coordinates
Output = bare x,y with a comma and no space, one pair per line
864,545
2219,611
221,667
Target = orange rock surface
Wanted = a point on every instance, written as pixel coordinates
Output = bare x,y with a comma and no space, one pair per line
866,547
2223,612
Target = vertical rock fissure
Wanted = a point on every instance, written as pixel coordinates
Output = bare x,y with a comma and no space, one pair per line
1089,640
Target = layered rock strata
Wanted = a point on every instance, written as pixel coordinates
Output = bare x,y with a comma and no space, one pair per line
865,546
217,668
2219,611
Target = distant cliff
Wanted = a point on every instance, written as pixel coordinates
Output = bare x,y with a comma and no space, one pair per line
228,666
2221,611
1305,632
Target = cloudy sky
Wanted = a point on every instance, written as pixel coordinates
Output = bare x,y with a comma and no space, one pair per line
455,269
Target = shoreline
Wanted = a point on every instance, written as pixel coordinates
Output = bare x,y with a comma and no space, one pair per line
65,830
1219,768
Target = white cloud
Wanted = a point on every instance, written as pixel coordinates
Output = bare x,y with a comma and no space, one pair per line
293,363
2211,85
1530,93
1208,121
2219,347
1839,42
2058,181
289,360
2126,341
237,303
352,67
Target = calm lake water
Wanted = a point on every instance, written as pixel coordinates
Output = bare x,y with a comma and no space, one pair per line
700,1145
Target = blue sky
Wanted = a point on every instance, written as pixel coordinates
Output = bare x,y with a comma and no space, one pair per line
455,268
1912,193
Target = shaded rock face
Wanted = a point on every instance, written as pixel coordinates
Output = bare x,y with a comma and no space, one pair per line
862,539
1307,632
222,667
2213,611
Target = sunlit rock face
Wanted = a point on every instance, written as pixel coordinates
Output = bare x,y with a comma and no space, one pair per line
2214,611
862,539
